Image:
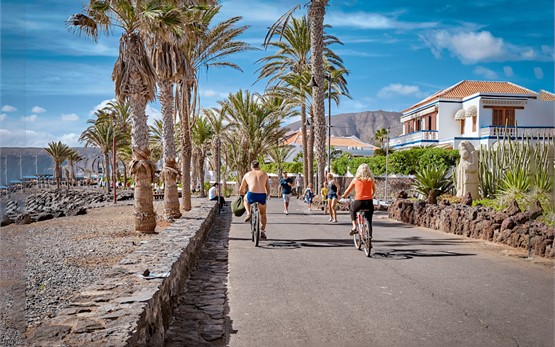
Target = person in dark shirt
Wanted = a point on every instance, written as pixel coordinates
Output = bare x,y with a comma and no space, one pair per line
286,184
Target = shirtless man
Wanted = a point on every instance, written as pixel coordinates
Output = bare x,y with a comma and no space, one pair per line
258,189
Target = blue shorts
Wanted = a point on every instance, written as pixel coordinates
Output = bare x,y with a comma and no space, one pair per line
256,197
332,196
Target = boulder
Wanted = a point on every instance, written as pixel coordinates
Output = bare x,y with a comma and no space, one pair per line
44,216
23,219
508,223
467,200
5,221
512,209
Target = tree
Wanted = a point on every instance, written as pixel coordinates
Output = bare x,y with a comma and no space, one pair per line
201,136
207,48
380,137
73,158
135,81
216,119
59,152
277,155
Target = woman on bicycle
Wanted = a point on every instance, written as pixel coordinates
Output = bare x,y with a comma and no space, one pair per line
364,186
333,193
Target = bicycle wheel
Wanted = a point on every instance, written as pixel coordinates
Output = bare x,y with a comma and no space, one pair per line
367,232
356,238
252,222
256,233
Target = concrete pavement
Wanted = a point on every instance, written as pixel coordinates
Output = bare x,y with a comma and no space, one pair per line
308,286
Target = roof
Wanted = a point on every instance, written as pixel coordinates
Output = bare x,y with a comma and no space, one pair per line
466,88
546,96
336,141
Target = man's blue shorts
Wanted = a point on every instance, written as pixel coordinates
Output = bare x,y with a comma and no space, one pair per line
256,197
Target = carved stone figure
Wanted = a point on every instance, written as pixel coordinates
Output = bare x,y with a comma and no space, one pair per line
467,171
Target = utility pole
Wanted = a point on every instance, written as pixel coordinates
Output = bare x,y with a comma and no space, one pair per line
386,161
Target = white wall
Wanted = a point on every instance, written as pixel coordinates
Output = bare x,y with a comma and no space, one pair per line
447,126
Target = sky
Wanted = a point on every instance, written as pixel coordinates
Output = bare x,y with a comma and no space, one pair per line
397,53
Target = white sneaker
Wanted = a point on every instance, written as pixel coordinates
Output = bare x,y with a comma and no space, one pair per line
286,212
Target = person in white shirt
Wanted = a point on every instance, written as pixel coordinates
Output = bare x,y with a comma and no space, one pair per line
213,195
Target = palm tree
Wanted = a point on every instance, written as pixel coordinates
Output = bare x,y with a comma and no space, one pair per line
73,158
316,13
380,136
135,81
289,68
254,125
201,136
217,121
208,48
59,152
278,154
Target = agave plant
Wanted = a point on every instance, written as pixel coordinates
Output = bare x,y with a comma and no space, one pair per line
433,178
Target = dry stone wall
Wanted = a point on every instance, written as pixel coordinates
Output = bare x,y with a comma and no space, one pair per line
511,227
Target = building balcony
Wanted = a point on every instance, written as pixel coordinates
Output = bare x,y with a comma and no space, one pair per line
422,137
517,132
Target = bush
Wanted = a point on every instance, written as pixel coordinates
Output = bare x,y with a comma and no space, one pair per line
433,178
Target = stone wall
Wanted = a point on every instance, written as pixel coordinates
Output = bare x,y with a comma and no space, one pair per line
127,308
510,227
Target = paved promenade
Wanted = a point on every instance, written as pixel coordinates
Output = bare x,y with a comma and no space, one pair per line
308,286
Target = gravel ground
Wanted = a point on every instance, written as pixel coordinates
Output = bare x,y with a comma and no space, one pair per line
43,264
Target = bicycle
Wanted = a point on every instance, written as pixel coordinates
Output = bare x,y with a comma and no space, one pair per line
255,223
363,236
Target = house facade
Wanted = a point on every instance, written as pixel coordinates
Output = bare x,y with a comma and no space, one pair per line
349,144
477,111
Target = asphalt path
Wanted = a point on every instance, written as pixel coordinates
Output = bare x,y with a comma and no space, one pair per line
308,286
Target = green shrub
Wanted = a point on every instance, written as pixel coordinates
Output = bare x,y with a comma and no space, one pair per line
432,178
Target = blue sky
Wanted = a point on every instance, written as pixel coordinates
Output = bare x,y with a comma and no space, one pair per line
397,52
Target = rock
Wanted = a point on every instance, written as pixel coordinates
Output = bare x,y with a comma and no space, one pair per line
44,216
5,221
23,219
512,209
499,217
467,200
76,211
402,195
508,223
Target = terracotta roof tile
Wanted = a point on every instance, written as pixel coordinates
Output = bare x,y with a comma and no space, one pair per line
546,96
465,88
337,141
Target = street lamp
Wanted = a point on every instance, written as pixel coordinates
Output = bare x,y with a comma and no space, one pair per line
313,84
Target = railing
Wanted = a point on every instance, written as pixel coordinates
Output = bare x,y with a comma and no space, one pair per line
512,131
422,135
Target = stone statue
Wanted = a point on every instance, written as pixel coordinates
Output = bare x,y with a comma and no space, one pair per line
467,171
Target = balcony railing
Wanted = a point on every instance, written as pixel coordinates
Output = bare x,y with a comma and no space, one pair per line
516,131
419,136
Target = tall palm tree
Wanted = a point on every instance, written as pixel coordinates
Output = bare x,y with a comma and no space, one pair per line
208,48
380,136
254,125
135,81
59,152
201,136
289,70
217,121
278,154
316,14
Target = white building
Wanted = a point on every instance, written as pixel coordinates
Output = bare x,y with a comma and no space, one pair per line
479,112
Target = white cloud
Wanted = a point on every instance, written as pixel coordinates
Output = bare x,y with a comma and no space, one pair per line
69,117
31,138
538,72
485,72
210,93
8,108
365,20
475,47
38,109
32,118
100,106
395,89
508,71
3,116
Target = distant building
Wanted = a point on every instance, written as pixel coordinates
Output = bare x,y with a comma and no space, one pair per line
350,144
477,111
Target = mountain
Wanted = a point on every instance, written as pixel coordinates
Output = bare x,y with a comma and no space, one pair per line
361,124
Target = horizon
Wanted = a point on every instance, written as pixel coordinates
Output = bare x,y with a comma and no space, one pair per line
397,54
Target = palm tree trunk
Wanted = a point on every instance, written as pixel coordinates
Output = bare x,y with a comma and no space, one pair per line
141,167
316,15
107,173
186,147
310,155
201,158
58,168
170,172
304,133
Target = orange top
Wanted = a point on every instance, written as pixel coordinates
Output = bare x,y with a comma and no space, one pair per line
364,190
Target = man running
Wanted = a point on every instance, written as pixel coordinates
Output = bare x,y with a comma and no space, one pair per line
286,184
258,189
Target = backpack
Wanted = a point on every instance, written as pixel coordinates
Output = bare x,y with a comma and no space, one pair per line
238,206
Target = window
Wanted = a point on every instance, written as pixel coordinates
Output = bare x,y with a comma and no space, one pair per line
417,124
463,121
503,116
474,123
430,121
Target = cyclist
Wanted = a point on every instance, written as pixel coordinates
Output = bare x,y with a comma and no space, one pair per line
258,190
364,186
333,193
